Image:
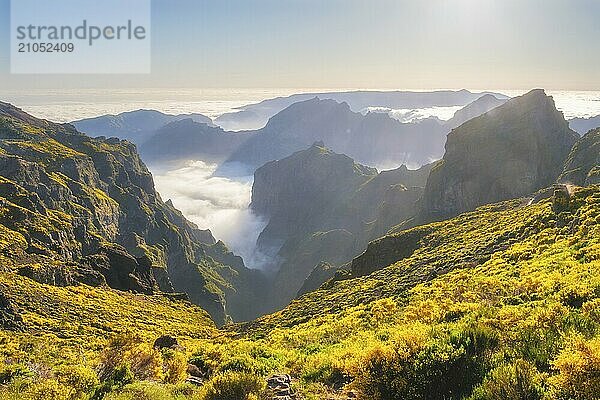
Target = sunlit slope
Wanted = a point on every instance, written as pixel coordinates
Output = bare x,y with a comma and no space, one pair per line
512,234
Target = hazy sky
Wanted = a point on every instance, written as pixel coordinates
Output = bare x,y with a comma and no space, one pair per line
509,44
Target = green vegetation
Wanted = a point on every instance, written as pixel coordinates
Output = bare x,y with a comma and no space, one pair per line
520,320
499,303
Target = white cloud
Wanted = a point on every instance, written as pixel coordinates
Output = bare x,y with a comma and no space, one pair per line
217,203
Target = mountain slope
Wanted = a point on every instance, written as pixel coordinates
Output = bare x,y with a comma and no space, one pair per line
135,126
584,125
189,140
582,167
511,151
324,207
372,139
91,204
255,116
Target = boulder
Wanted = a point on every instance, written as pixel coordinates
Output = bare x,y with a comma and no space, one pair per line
166,342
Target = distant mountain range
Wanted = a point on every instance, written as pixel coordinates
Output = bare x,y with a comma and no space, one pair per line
255,116
135,126
374,138
584,125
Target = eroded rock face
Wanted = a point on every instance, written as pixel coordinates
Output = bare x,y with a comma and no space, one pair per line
122,271
509,152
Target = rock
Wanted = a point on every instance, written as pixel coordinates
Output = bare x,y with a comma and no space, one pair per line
10,319
194,380
69,274
122,271
510,152
166,342
280,387
193,370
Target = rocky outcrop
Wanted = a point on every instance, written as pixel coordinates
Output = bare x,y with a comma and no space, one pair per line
122,271
279,387
582,167
509,152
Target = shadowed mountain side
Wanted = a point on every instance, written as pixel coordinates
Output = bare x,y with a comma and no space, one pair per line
190,140
372,139
135,126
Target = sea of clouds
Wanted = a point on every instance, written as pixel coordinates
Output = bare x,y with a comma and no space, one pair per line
218,203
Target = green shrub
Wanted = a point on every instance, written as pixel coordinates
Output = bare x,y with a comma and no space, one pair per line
233,386
517,381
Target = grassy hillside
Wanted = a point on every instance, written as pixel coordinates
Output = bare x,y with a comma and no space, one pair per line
498,303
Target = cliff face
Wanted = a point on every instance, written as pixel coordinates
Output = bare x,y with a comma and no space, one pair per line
511,151
324,207
583,164
87,212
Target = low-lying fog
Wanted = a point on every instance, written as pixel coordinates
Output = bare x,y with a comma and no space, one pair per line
218,203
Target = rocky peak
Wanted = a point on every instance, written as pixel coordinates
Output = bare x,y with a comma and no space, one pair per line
511,151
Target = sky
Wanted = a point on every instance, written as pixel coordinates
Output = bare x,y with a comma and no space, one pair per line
384,44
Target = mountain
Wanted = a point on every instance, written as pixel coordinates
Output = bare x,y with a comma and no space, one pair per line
500,302
582,167
323,207
372,139
187,139
480,106
83,210
135,126
511,151
584,125
255,116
